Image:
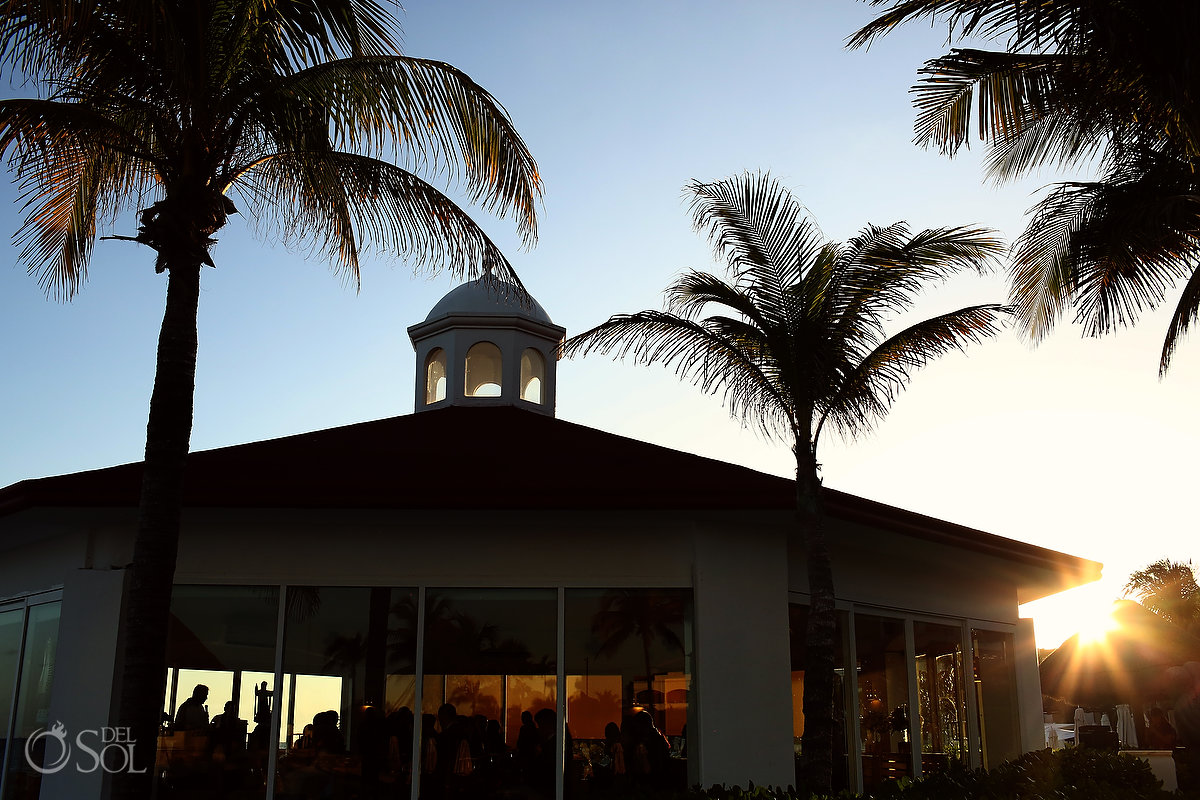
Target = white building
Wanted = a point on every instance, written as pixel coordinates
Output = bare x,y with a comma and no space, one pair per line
482,552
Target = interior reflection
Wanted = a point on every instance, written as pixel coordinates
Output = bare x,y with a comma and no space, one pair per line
628,684
940,693
798,625
884,723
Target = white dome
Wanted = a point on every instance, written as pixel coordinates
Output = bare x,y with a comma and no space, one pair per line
489,296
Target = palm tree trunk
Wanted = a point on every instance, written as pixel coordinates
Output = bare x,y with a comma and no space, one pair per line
817,742
152,572
649,672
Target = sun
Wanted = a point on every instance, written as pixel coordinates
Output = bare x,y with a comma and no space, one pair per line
1095,623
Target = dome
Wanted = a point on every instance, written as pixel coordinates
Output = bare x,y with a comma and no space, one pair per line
489,296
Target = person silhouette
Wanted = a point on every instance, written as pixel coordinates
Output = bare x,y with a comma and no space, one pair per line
228,733
192,715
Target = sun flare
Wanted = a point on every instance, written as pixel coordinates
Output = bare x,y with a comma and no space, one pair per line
1095,624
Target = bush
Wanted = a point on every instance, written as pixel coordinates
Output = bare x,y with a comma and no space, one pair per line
1073,773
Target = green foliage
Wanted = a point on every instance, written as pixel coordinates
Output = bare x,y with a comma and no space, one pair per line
1073,773
1069,774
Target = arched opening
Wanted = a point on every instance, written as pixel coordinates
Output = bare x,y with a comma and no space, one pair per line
533,375
483,370
435,376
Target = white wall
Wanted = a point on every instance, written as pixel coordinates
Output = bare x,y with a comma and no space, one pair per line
743,725
83,673
1029,687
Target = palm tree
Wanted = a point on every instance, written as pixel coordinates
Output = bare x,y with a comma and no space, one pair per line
167,107
1112,80
802,344
1168,588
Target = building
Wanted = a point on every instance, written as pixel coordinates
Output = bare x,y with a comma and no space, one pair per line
483,556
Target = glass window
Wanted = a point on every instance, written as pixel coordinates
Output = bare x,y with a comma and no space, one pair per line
489,724
942,704
996,696
533,375
435,376
882,699
220,679
11,622
483,375
798,624
33,701
628,689
349,661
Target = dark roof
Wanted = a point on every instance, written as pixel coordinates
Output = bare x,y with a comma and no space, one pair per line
496,457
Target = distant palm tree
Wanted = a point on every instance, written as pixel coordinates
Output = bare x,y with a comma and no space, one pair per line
1168,588
1076,80
300,108
802,344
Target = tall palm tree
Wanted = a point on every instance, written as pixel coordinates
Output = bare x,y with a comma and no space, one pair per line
1168,588
800,344
1113,80
307,112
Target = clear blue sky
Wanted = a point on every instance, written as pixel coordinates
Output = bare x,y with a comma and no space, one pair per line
1075,445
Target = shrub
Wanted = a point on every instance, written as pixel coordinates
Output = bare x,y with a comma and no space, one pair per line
1073,773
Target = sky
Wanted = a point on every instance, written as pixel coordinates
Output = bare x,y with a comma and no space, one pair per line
1074,445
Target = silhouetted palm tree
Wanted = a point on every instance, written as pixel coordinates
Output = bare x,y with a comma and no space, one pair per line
1168,588
801,344
1109,79
167,106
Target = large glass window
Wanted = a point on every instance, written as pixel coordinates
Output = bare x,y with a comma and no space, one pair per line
483,370
348,692
21,781
628,685
882,699
533,375
940,695
798,625
489,725
996,696
216,738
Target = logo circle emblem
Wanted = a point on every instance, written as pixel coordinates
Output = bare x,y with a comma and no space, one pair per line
57,733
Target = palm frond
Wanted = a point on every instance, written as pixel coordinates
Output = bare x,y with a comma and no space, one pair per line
430,111
1054,138
888,268
694,290
1113,248
1186,311
872,385
702,353
74,166
1042,276
1007,91
339,200
755,225
1025,23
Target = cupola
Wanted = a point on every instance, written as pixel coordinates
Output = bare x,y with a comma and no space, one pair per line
487,342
